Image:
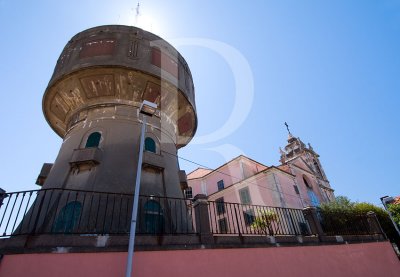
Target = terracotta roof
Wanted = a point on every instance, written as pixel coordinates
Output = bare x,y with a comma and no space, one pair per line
285,168
198,173
276,167
204,171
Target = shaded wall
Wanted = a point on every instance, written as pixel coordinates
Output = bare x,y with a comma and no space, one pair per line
366,259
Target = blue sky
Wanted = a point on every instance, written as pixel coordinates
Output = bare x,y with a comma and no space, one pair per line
328,68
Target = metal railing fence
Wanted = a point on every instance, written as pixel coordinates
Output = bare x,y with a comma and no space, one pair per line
63,211
234,218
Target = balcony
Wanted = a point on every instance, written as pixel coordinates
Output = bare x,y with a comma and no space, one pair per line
85,157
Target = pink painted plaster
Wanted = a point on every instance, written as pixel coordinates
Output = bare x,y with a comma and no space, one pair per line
268,186
366,260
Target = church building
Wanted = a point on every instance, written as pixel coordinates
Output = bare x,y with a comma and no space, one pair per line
297,182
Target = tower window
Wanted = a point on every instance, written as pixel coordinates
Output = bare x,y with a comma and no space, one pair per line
93,140
150,145
188,193
153,217
317,168
314,201
306,183
313,198
296,189
67,219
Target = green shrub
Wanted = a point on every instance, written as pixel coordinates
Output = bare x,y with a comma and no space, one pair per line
340,204
395,211
263,222
343,205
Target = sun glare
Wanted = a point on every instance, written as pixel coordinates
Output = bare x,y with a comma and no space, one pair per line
143,21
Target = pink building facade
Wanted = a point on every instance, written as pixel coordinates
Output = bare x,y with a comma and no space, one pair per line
297,182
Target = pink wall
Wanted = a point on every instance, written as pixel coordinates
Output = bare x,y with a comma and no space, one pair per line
230,173
263,188
365,259
195,184
311,180
264,193
292,199
251,168
233,172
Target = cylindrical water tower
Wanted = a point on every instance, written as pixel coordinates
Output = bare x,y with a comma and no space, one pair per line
92,101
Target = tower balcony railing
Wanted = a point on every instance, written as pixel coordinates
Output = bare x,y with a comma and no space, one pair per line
64,211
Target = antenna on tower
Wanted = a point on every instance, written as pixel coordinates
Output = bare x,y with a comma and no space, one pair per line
137,13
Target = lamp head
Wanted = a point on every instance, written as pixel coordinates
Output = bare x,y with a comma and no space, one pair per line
148,108
387,199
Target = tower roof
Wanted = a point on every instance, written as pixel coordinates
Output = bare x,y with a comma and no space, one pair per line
294,147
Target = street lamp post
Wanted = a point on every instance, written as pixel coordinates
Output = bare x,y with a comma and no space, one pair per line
386,199
147,108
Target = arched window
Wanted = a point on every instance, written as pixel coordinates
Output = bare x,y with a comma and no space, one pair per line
150,145
311,194
153,217
68,217
317,168
313,197
93,140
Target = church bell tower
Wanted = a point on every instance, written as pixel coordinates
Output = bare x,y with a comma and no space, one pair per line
306,161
